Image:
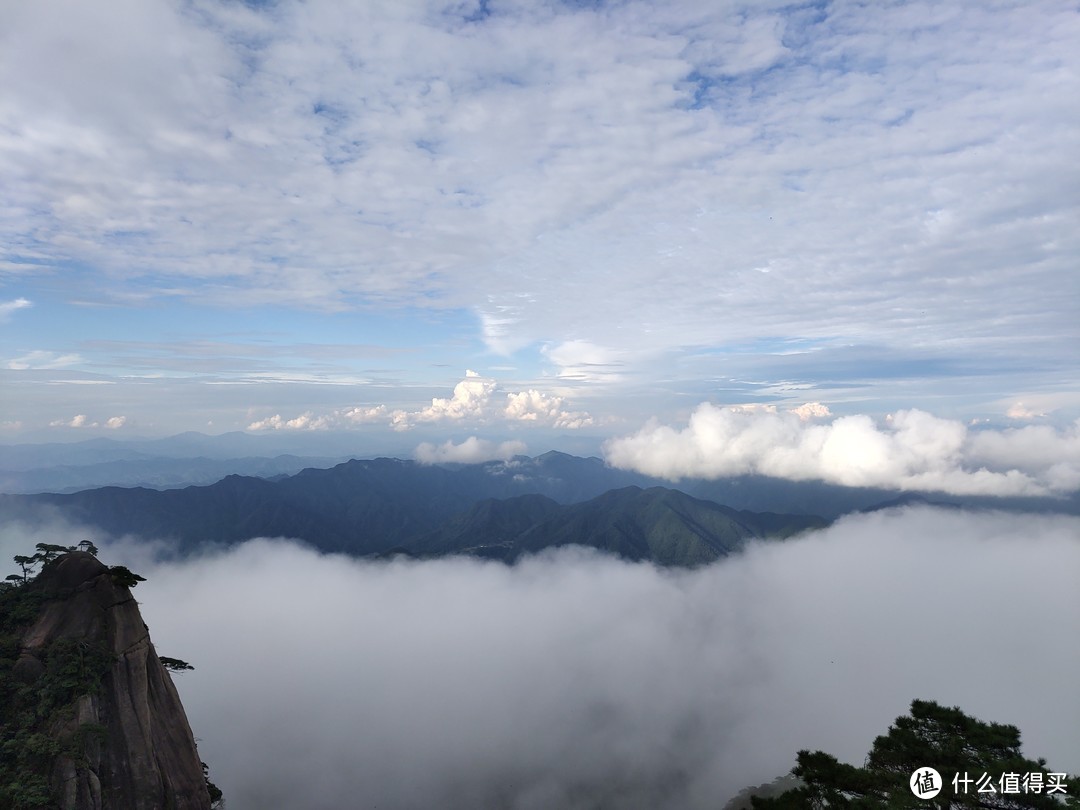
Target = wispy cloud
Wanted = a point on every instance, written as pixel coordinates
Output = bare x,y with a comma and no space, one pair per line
41,359
8,307
912,450
654,164
599,185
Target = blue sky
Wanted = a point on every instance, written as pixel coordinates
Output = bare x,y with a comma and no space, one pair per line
319,216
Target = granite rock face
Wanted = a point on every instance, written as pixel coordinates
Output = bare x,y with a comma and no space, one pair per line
137,748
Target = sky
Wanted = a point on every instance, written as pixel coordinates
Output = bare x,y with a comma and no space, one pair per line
517,224
575,680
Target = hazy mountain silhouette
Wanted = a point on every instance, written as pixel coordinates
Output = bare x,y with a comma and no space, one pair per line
373,506
500,509
657,524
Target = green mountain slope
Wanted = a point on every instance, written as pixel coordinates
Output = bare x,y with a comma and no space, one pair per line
657,524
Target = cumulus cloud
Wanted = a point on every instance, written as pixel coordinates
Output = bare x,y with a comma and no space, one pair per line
360,416
472,400
912,450
115,422
8,307
305,421
535,406
471,451
811,410
575,681
1019,410
344,417
78,421
469,401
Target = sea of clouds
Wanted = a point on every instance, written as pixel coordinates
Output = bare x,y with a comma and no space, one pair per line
575,680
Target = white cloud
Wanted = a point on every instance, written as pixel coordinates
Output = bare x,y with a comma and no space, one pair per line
360,415
470,451
305,421
535,406
472,401
573,680
582,361
611,179
77,421
1021,412
469,401
1049,455
606,180
115,422
913,450
43,360
344,417
811,410
8,307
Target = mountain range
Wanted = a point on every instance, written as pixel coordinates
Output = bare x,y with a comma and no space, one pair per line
384,506
498,509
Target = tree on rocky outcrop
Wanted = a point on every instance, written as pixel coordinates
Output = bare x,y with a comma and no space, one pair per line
50,551
175,664
978,765
124,577
26,566
89,716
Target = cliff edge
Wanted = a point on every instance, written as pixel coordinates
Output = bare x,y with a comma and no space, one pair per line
90,709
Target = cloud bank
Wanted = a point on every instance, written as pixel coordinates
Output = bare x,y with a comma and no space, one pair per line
81,420
912,450
575,680
470,451
472,400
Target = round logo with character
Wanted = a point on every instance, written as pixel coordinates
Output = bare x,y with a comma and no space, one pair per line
925,783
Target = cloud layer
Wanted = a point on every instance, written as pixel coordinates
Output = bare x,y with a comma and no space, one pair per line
574,679
471,451
890,174
472,401
912,450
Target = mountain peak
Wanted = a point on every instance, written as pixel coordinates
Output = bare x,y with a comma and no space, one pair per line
88,679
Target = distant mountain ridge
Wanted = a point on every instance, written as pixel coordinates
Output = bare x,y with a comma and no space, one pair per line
375,506
661,525
154,472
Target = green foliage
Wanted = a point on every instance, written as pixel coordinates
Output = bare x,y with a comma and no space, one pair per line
216,797
48,552
31,712
175,664
932,736
121,575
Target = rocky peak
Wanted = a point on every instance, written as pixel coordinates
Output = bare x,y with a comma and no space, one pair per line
119,736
